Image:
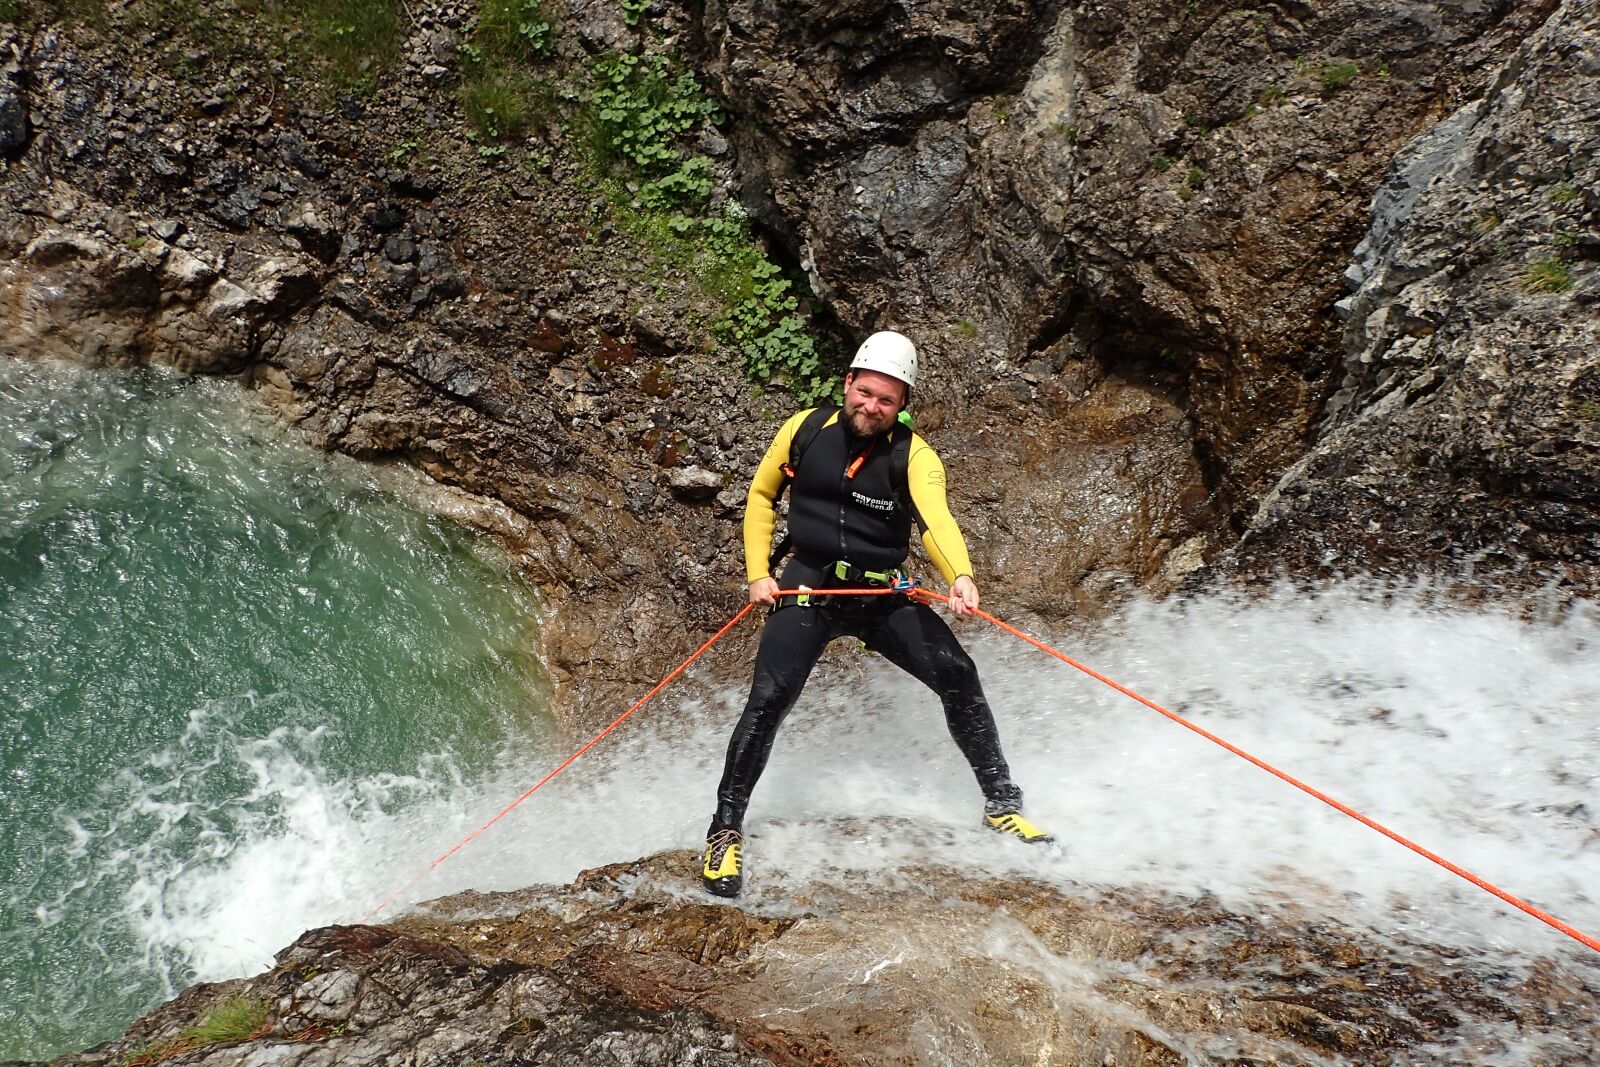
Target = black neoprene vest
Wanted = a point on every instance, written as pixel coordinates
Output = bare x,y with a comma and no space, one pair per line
859,519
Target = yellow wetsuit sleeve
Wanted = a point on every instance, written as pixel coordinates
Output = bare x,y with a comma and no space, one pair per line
941,537
760,514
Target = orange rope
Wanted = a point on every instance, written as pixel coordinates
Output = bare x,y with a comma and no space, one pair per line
1516,902
595,740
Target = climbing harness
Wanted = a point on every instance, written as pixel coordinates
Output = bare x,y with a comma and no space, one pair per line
930,597
895,581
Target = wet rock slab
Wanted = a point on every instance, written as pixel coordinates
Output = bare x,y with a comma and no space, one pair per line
633,964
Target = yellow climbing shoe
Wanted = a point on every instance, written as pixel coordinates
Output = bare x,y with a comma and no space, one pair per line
1013,823
723,871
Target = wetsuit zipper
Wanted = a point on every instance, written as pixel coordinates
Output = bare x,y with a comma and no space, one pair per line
844,493
852,468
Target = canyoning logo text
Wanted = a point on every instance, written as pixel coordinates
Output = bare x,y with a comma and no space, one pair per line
872,502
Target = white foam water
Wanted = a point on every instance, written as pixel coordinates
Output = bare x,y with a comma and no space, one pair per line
1469,729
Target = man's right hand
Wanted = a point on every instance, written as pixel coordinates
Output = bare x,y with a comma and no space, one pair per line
764,591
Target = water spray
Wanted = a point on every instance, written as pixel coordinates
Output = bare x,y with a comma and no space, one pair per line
929,597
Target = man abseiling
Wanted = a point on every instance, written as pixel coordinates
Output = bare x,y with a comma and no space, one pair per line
857,478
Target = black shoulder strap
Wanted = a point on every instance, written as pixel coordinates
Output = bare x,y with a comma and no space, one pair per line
900,473
802,439
807,432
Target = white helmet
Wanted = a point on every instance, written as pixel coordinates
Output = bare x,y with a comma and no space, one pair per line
888,353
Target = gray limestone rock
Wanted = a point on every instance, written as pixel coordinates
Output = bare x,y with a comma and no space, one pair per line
1467,434
694,483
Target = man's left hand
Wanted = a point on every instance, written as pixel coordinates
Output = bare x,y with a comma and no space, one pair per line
964,596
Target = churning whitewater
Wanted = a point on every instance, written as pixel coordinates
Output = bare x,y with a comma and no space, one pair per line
1466,729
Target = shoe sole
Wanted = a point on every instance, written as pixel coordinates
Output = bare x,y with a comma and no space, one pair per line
721,887
1047,839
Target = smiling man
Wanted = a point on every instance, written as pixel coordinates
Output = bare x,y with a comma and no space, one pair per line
858,478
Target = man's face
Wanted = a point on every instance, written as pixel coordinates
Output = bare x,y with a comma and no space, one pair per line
871,402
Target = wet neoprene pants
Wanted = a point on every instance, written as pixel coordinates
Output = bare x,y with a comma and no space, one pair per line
908,634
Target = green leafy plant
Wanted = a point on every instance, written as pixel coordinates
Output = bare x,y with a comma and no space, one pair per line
1271,96
690,182
763,315
773,340
763,318
640,112
1162,163
1338,75
1548,276
1194,178
634,11
403,152
1563,194
641,109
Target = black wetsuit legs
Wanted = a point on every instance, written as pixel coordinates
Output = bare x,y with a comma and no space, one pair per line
791,643
910,635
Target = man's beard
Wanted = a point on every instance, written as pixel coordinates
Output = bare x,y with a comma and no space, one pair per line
863,425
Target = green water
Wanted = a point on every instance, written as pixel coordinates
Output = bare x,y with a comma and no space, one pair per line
212,636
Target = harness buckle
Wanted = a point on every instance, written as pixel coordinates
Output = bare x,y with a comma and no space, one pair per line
898,580
848,572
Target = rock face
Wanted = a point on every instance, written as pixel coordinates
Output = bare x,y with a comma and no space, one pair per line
631,965
1467,422
1053,196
